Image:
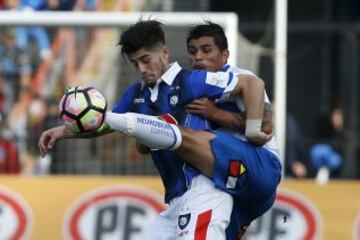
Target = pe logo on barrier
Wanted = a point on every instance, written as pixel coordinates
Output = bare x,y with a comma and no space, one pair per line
15,216
114,212
292,217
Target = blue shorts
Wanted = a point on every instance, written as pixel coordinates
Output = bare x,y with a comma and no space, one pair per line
249,173
244,213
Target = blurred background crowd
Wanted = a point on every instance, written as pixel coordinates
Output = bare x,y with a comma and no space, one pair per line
37,63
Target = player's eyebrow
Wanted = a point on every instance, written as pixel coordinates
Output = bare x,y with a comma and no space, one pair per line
133,59
206,45
143,57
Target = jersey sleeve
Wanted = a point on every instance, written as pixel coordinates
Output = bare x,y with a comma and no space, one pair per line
126,101
210,84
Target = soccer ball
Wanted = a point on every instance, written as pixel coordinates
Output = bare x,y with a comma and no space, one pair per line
82,109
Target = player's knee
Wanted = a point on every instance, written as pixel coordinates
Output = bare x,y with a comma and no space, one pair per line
191,138
188,138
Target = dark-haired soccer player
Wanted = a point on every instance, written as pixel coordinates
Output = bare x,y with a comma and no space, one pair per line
230,172
208,49
166,89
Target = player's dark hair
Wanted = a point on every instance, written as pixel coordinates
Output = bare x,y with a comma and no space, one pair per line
143,34
209,29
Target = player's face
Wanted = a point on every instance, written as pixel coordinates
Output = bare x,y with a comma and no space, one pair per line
151,64
204,54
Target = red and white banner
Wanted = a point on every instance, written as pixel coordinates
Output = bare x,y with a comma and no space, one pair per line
122,207
15,216
112,212
293,216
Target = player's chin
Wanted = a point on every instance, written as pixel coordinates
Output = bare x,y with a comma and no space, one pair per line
149,81
199,66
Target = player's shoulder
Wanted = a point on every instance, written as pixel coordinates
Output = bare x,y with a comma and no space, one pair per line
237,71
195,74
134,87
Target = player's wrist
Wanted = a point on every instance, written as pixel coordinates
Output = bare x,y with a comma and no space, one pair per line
252,127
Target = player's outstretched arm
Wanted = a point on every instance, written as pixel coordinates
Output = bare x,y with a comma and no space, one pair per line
50,137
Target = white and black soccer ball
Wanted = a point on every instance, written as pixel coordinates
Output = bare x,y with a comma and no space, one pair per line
82,109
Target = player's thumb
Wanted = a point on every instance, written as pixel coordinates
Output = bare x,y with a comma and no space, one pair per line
51,143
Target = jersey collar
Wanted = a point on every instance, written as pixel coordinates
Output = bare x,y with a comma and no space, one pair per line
225,68
169,76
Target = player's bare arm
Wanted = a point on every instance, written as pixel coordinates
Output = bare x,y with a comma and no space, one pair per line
231,120
208,109
267,123
251,88
50,137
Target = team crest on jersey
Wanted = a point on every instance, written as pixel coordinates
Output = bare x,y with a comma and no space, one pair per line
236,174
174,100
184,220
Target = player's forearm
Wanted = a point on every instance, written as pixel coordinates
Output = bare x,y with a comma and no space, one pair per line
253,95
267,123
102,130
236,121
230,120
252,90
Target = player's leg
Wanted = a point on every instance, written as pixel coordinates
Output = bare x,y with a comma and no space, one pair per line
196,150
243,169
192,145
205,211
236,160
148,130
164,226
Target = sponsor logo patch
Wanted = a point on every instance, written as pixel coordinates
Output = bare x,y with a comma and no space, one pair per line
218,79
236,174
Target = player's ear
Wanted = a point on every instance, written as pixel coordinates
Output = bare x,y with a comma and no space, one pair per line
225,55
165,51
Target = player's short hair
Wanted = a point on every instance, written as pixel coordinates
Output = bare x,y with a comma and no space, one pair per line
146,34
209,29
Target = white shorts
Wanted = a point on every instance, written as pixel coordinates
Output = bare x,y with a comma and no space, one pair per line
202,213
164,226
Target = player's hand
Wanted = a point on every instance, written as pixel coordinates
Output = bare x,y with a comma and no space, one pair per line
142,149
203,107
260,139
49,138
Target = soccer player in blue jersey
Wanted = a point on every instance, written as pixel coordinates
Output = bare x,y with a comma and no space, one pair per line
208,49
230,175
161,91
157,95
